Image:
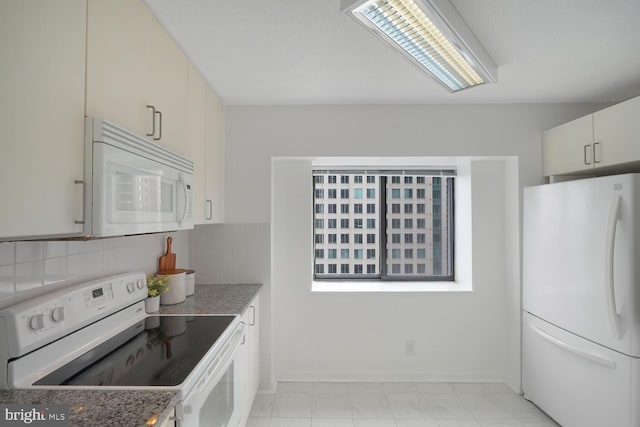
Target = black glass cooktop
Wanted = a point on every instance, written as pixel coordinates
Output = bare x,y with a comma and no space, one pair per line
158,351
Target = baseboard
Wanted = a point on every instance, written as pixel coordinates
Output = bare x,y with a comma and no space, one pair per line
390,377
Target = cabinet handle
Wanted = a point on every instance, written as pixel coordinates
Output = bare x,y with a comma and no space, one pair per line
210,216
80,221
159,113
585,154
253,321
595,156
153,117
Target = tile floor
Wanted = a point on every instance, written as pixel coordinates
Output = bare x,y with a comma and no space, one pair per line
395,405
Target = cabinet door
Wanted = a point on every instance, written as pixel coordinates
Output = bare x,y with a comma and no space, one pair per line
169,89
119,63
42,109
195,149
569,147
242,360
214,186
617,133
254,348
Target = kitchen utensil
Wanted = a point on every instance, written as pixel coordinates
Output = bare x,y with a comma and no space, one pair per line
167,262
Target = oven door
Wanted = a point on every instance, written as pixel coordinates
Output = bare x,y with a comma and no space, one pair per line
215,399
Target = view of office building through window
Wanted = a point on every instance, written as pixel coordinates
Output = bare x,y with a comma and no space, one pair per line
390,225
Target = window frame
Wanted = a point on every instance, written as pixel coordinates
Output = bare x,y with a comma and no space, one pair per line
383,203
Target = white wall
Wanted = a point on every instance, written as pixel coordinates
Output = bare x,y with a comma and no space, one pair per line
254,135
361,336
237,253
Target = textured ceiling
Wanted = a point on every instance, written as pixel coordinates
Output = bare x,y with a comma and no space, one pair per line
274,52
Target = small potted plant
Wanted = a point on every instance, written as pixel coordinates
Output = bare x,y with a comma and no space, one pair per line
156,286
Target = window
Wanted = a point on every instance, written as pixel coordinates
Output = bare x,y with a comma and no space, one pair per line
408,224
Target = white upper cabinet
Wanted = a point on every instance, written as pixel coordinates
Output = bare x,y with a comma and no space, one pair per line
568,147
42,109
119,63
607,138
617,133
136,75
196,139
168,89
214,186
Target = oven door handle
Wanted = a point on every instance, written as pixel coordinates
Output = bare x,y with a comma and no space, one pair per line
221,362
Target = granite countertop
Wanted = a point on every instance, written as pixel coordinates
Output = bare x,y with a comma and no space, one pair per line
90,408
215,299
133,408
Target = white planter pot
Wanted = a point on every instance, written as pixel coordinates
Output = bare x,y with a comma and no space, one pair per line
151,305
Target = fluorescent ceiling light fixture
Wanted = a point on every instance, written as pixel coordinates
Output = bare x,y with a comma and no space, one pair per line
432,35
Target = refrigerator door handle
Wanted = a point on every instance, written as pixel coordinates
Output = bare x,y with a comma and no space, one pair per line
614,318
584,354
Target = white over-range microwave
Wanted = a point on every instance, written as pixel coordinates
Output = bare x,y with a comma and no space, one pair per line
132,185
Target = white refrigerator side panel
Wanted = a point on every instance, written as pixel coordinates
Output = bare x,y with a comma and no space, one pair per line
576,382
566,230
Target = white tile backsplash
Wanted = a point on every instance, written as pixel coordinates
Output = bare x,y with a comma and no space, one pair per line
77,265
28,251
29,275
77,247
7,280
231,253
7,253
55,270
28,265
95,262
94,245
55,249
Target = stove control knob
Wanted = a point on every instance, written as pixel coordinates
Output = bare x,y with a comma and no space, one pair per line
36,322
57,314
140,283
131,286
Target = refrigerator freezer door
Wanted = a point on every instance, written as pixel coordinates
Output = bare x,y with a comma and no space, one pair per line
576,382
580,256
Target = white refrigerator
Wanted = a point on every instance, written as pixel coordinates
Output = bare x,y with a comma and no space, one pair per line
581,301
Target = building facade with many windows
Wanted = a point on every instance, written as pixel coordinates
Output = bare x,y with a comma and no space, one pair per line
391,225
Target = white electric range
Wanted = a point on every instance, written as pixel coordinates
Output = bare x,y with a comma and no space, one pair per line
96,334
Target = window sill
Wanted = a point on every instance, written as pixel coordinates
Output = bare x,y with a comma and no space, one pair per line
380,286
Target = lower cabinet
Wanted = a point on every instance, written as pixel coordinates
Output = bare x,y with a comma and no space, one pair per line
169,421
249,357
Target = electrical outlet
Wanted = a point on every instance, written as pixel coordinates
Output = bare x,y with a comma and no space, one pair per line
410,348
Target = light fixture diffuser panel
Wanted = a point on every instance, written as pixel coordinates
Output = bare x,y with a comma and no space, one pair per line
418,30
